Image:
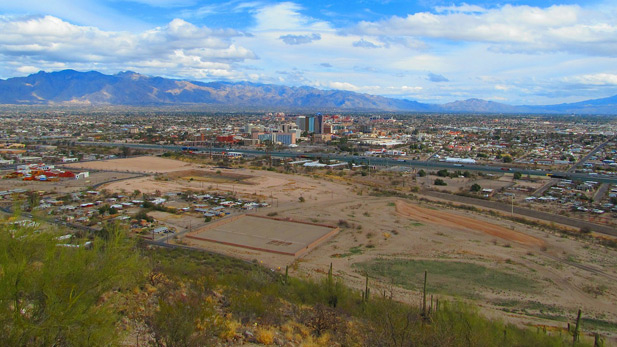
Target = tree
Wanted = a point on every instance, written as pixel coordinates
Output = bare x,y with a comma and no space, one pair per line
421,173
476,187
126,151
518,175
507,159
34,199
103,209
143,214
442,173
51,295
440,182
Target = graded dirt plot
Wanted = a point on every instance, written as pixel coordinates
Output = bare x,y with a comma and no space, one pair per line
266,234
209,176
443,218
148,164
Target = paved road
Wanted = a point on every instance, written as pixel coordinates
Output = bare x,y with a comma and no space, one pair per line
581,161
601,192
590,154
523,211
376,161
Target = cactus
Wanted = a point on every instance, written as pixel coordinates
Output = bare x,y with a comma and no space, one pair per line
286,274
366,289
424,295
575,334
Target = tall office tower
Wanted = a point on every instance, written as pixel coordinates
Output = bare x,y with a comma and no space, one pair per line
319,124
301,123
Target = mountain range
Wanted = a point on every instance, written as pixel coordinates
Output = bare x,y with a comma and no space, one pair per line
70,87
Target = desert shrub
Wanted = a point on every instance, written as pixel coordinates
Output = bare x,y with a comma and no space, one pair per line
265,336
440,182
56,291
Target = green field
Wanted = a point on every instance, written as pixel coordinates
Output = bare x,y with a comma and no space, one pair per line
446,277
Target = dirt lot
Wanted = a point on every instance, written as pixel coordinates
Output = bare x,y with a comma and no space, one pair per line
139,164
564,274
453,221
274,235
64,185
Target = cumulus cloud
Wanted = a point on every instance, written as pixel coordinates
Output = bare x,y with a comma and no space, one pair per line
436,78
300,39
286,16
509,28
180,47
343,86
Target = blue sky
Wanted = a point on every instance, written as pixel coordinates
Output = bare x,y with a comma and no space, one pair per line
516,52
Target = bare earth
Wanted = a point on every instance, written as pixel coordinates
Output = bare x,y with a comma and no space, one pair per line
138,164
564,269
445,219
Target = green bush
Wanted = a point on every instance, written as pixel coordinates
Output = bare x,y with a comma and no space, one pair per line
440,182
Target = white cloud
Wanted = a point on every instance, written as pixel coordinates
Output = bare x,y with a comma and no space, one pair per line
519,53
286,16
343,86
85,12
27,69
183,49
510,28
411,89
599,79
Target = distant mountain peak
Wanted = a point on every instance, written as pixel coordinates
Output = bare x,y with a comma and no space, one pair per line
71,87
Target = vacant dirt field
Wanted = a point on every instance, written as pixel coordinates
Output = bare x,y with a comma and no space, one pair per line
64,185
564,273
445,219
281,236
139,164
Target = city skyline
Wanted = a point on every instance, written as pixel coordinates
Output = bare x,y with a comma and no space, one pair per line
521,52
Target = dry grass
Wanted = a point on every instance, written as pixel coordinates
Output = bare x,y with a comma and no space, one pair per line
265,336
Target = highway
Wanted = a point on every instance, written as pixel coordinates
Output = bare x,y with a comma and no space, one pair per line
373,161
579,163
